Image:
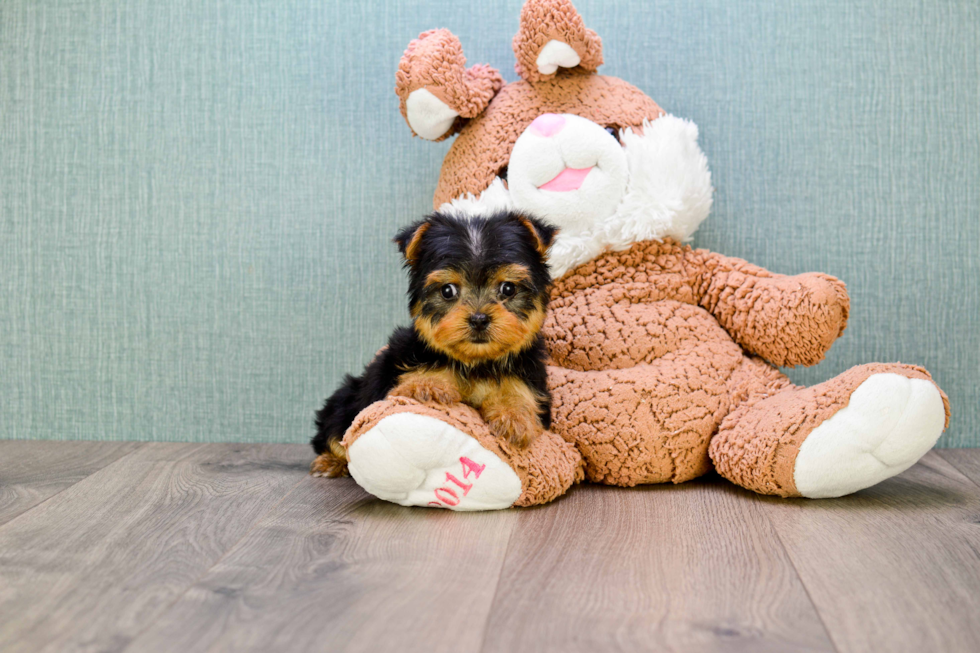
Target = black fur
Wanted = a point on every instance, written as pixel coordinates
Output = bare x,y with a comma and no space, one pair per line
475,247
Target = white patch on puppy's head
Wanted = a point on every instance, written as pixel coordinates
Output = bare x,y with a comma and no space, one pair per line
656,185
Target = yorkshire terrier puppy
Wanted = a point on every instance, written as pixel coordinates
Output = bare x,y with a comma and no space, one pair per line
478,289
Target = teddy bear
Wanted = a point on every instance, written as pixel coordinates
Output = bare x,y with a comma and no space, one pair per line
663,358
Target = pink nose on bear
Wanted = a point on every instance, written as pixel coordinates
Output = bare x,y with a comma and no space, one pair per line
548,124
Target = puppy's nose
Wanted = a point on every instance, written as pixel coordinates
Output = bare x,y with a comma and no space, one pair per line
548,124
479,321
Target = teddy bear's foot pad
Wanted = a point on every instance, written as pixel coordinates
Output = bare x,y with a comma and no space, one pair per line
416,460
889,423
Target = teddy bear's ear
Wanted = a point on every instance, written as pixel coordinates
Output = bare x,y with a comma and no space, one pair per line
553,36
435,89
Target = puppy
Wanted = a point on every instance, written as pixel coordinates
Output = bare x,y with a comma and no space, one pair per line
478,289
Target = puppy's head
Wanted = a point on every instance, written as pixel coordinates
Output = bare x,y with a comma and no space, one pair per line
478,285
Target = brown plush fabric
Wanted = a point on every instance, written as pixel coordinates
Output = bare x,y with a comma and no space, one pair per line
547,468
642,424
435,61
483,146
786,320
553,19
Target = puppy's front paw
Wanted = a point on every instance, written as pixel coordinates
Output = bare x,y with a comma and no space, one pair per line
422,387
517,426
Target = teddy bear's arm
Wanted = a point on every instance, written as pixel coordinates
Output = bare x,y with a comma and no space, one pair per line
602,314
788,320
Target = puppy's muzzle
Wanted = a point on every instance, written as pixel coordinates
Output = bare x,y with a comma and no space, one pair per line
479,322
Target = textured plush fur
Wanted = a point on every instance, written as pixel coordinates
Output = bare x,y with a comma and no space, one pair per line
478,290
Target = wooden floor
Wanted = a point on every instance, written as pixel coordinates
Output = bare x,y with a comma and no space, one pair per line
188,547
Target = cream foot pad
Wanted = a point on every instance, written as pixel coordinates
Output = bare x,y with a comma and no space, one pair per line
889,423
415,460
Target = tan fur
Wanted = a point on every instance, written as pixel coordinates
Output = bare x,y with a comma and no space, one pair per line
451,334
540,245
510,409
513,273
332,463
442,277
508,405
440,386
412,248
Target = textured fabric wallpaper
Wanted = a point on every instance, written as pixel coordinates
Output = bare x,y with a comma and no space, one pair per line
197,196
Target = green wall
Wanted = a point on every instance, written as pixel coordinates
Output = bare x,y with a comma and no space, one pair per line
197,198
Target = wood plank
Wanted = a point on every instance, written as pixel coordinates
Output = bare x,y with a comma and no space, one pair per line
967,461
31,471
95,565
332,568
895,567
692,567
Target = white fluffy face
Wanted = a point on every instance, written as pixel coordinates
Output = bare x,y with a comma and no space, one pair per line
656,185
567,170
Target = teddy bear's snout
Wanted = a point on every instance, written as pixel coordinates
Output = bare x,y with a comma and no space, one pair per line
568,170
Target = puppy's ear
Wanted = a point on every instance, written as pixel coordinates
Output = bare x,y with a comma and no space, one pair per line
542,232
409,240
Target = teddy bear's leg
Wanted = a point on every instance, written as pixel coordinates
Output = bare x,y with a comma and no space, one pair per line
425,454
870,423
642,424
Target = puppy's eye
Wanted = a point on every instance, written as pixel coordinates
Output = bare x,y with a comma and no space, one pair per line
612,131
507,289
449,291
